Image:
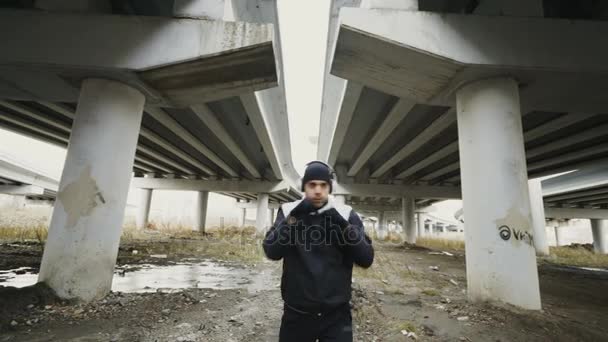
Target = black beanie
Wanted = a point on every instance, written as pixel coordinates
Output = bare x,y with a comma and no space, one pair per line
317,170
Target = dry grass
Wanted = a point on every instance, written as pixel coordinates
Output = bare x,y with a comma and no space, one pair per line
577,256
227,243
24,233
440,244
431,292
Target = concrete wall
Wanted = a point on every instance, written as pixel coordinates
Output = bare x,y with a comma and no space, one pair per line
579,231
16,211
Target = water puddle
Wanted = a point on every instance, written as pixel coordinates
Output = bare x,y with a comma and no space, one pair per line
206,274
18,277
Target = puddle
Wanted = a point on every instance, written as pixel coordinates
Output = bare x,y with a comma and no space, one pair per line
142,278
19,277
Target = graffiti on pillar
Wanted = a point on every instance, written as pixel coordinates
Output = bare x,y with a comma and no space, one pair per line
506,233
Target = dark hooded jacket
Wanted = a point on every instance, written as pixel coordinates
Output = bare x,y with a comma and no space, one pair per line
318,256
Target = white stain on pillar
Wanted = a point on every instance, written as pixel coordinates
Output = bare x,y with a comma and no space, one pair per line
82,245
500,254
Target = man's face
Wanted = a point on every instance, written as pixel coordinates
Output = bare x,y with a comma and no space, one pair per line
317,192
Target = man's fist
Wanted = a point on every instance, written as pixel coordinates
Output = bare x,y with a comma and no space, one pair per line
336,219
305,207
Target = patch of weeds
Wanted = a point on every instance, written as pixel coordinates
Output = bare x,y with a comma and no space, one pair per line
440,244
431,292
406,325
577,256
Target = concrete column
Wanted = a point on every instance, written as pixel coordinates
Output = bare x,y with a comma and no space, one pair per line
600,236
560,236
500,255
270,217
81,249
243,216
340,199
538,217
382,228
200,214
421,218
143,208
261,218
408,220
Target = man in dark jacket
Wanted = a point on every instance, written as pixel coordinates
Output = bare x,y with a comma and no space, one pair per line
319,241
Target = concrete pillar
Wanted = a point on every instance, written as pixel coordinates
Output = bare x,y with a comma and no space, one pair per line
200,214
538,217
340,199
382,227
500,255
82,245
270,217
560,230
421,219
408,220
599,229
261,218
143,208
243,216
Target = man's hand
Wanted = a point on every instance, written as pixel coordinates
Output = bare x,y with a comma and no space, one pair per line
336,218
305,207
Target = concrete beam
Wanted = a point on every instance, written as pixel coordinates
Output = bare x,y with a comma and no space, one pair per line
259,121
398,191
208,118
23,190
236,186
426,56
203,9
399,111
348,104
580,213
575,181
333,87
172,61
272,101
14,170
442,123
430,159
555,125
254,205
569,157
161,116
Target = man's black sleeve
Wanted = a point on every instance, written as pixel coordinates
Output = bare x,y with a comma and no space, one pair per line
276,241
358,243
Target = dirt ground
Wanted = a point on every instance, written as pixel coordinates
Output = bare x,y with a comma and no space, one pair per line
408,290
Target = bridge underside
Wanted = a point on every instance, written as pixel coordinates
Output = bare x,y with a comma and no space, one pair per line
159,93
479,102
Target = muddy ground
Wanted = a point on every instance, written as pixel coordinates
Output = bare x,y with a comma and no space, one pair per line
407,290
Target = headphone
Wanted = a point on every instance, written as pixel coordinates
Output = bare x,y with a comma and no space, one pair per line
331,172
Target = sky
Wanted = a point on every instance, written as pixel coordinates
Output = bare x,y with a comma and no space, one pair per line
304,38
